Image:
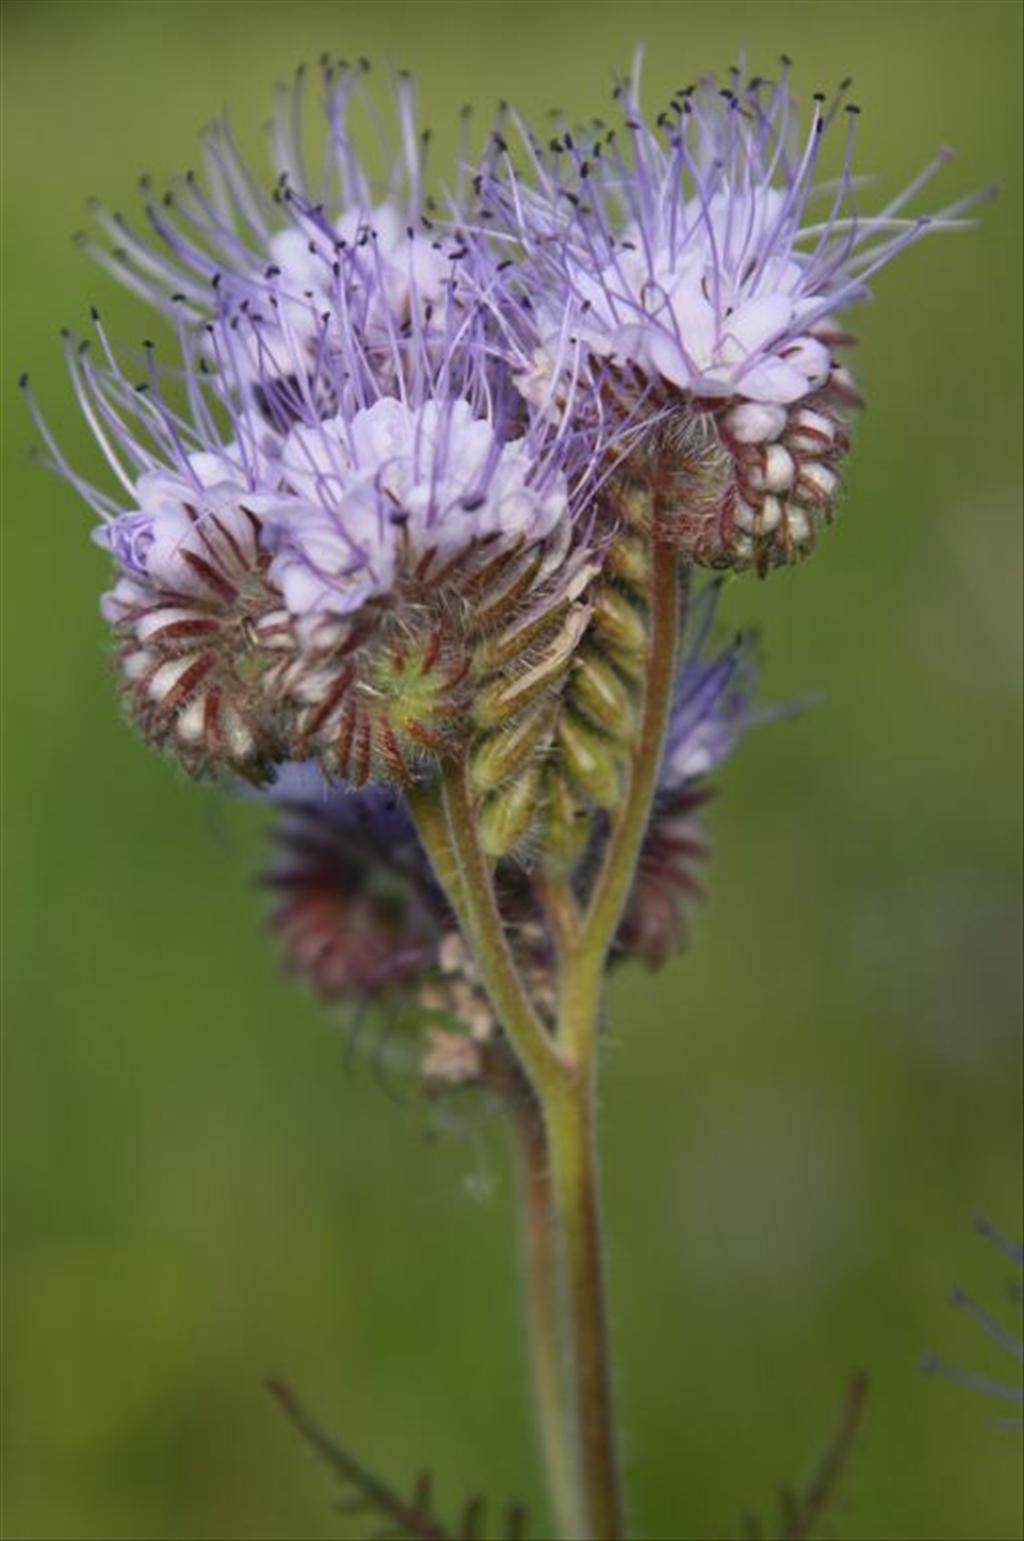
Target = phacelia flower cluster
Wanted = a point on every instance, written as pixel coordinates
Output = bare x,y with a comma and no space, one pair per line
392,495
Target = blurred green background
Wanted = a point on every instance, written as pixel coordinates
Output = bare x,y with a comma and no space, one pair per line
801,1118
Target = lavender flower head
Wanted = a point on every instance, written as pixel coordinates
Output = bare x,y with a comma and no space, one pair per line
704,258
410,483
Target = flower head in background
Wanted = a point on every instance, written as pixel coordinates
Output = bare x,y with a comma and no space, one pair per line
703,258
358,908
363,918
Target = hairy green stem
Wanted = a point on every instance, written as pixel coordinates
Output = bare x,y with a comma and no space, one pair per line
544,1312
570,1124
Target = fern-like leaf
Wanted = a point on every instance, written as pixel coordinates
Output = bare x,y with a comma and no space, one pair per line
397,1518
801,1509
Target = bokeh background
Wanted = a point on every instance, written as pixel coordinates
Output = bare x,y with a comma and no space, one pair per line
801,1118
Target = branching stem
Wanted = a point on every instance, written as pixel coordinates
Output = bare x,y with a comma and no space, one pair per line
561,1069
446,821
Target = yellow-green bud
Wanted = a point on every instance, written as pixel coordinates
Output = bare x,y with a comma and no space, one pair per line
603,695
504,752
618,619
590,761
506,815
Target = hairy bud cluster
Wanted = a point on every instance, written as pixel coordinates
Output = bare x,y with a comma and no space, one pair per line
749,485
362,916
203,636
786,477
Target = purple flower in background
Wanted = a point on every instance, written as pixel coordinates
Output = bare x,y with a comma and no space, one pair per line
712,700
1008,1341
